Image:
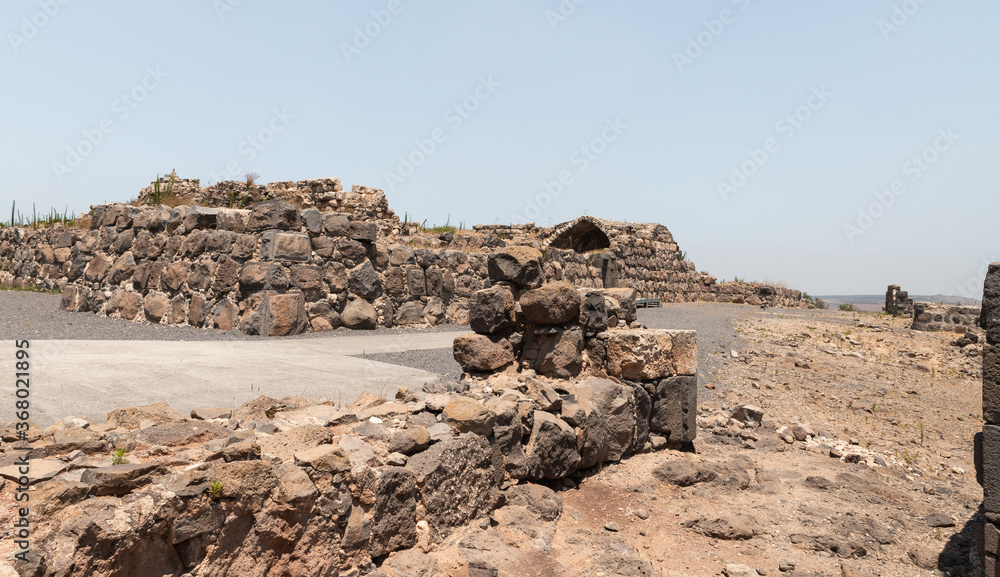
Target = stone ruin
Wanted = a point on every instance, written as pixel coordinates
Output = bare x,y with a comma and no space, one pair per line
315,257
898,302
987,443
525,329
932,317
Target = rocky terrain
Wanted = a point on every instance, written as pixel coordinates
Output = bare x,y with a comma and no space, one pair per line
828,444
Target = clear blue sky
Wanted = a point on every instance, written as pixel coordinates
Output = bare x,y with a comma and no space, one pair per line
644,109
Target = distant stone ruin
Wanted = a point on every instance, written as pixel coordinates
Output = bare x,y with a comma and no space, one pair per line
897,302
313,257
987,444
947,318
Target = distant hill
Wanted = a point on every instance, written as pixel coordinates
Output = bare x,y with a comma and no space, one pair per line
874,303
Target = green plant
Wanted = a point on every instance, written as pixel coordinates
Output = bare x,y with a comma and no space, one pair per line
214,490
908,457
118,456
921,434
819,303
846,307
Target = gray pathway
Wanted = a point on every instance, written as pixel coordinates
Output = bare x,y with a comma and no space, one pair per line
90,378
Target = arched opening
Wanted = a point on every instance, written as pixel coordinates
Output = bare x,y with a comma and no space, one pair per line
584,236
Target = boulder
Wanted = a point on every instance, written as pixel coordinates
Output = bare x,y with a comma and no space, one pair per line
469,416
492,310
359,314
551,304
458,479
648,354
520,265
552,448
556,353
608,421
476,352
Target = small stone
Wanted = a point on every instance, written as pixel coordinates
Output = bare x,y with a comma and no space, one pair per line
642,514
786,566
939,520
611,526
397,459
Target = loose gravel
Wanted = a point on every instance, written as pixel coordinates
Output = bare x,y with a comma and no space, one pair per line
30,315
37,316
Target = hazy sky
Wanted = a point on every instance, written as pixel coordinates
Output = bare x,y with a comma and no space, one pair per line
836,146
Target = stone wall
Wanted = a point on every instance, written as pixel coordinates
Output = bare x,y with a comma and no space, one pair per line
277,268
898,302
526,328
948,318
987,445
362,202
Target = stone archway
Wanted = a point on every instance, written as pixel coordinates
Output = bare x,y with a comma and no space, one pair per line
582,236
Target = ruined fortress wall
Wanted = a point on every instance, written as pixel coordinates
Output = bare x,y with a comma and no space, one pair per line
597,253
949,318
276,268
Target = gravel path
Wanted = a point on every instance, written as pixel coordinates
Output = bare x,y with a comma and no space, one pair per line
37,316
29,315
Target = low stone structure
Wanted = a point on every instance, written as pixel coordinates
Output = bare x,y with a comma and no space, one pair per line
898,302
947,318
277,268
526,328
987,445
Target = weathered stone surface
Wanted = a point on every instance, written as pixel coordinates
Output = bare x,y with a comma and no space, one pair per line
459,479
409,441
254,479
134,417
556,354
552,448
648,354
274,214
324,458
38,470
359,314
469,416
364,281
336,224
285,246
233,219
313,220
394,514
476,352
520,265
120,480
593,313
675,408
180,433
415,282
285,444
363,231
124,303
492,310
608,423
550,304
625,297
155,305
257,276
